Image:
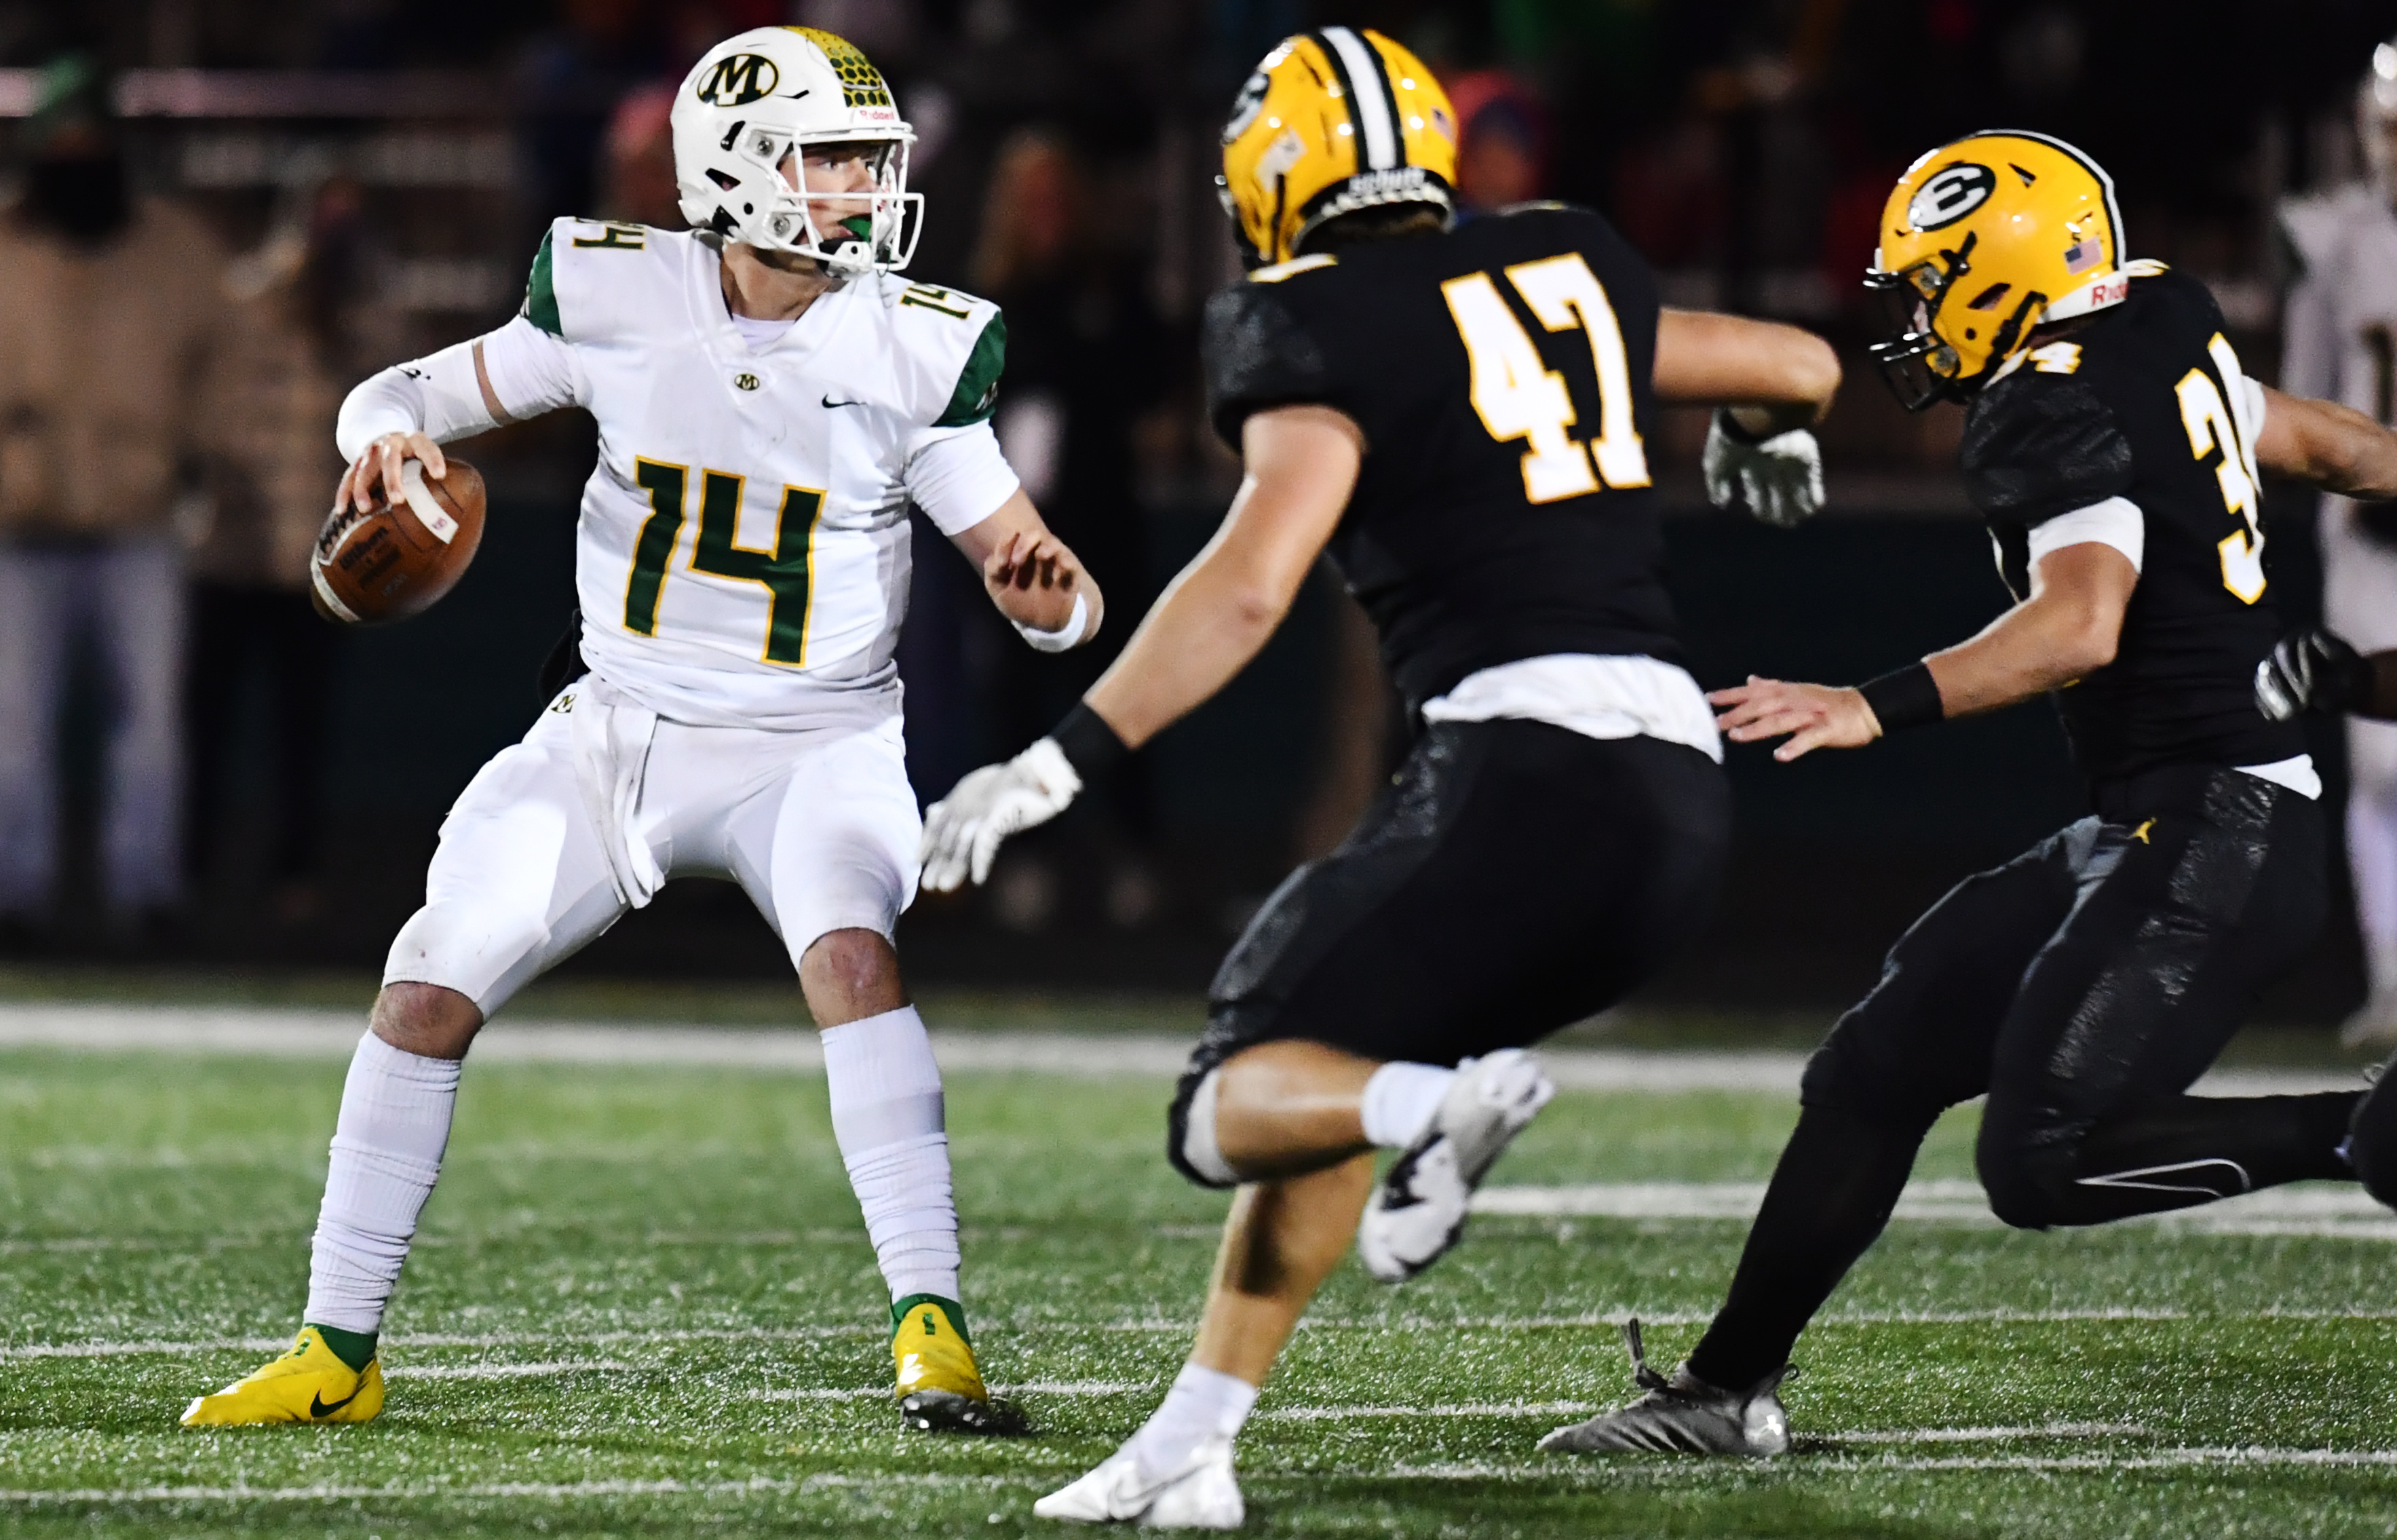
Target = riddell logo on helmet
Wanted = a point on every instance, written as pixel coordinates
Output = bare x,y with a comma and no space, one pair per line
1951,195
740,80
1374,185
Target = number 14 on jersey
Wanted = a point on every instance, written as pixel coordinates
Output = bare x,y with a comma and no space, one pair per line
1518,396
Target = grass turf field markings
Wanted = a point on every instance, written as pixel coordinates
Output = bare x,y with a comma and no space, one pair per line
2326,1210
322,1033
1560,1469
512,1371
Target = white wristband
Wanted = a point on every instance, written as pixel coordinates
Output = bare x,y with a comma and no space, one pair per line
1065,636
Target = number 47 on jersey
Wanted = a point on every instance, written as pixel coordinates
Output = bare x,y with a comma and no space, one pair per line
1518,396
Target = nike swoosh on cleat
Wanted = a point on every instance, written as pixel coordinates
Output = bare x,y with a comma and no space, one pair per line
316,1407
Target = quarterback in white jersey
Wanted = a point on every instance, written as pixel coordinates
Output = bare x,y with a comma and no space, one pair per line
2341,331
770,397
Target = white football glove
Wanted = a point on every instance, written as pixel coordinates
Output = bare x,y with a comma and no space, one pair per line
964,829
1780,478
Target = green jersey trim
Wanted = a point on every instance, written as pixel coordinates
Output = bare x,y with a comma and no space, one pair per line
977,394
540,293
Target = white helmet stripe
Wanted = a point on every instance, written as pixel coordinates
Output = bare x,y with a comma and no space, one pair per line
1369,97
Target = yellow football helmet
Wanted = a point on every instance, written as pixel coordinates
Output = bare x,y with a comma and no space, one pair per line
1983,240
1332,121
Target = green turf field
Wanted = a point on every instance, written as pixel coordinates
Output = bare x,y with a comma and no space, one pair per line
642,1303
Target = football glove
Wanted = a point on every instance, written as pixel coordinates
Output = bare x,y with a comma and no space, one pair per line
2313,670
1779,478
963,830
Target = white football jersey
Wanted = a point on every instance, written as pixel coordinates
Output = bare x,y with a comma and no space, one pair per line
2341,327
743,553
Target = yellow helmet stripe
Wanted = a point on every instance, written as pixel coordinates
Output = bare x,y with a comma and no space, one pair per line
1372,107
2104,182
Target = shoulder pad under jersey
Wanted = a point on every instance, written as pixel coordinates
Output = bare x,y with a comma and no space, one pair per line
2040,442
594,280
946,348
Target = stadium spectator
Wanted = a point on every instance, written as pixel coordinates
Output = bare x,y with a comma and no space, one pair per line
1502,146
636,174
307,328
1086,360
113,306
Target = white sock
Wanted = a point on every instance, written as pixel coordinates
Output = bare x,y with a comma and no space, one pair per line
887,1115
1399,1101
394,1123
1203,1404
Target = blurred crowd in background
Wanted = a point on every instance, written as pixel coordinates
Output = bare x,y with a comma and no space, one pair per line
226,212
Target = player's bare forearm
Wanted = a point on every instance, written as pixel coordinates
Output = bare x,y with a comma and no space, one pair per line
1302,463
1775,377
2325,444
1032,576
2069,626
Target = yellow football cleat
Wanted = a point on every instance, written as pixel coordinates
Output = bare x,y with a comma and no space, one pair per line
310,1384
939,1387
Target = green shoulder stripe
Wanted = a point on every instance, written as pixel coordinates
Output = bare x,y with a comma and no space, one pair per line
977,393
540,293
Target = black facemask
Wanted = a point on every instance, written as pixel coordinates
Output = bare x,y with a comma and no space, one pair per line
83,197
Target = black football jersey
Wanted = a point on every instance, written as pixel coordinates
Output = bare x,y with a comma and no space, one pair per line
2144,403
1501,374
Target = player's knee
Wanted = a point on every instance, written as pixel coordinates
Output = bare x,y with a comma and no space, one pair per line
2025,1190
1851,1072
2372,1143
849,974
1191,1141
428,1019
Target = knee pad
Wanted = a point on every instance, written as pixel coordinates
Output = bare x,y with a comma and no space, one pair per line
2372,1143
1190,1133
1846,1073
2022,1189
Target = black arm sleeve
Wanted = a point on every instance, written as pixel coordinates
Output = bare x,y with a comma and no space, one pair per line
2038,446
1258,354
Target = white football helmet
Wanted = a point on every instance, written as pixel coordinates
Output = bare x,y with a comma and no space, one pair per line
761,96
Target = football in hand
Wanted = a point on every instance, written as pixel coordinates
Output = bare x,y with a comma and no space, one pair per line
397,558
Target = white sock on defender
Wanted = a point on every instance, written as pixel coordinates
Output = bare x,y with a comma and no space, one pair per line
394,1123
1399,1101
1203,1404
887,1116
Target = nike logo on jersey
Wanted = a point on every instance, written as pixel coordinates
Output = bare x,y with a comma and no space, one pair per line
830,402
316,1407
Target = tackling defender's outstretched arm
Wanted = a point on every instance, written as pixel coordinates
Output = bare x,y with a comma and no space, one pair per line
1770,383
1301,463
1772,376
2325,444
2069,626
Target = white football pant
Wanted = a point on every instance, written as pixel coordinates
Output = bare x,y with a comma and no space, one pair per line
819,828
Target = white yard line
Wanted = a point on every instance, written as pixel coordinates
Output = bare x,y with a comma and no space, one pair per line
1606,1320
1610,1472
2340,1212
507,1371
1468,1409
1034,1387
289,1033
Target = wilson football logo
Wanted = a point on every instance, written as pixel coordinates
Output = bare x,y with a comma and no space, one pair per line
740,80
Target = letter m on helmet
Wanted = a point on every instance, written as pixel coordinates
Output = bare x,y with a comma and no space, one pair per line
738,81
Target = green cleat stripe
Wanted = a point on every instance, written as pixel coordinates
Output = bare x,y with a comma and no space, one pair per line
956,1312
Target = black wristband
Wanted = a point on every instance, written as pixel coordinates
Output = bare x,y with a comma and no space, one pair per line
1733,431
1904,697
1091,747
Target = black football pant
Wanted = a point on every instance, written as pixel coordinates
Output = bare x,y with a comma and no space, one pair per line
2082,987
1514,878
